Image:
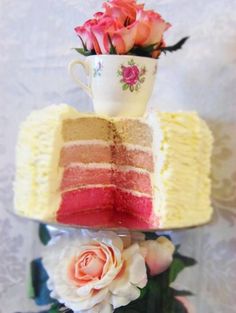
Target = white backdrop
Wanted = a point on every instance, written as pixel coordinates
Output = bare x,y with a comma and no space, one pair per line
36,37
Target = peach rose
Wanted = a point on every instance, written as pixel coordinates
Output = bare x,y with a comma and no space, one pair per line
122,10
95,35
150,28
158,254
92,272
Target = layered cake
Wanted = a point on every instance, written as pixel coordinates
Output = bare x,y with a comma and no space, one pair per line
89,170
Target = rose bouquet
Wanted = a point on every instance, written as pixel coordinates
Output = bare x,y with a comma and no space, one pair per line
99,272
125,27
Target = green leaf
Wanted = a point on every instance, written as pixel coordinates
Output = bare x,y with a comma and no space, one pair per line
143,292
149,48
137,87
176,46
142,80
83,44
154,296
176,267
183,293
178,264
84,52
54,308
30,286
112,47
150,236
39,277
125,87
185,259
131,87
177,247
59,308
44,234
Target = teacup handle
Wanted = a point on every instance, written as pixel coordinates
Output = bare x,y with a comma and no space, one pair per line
71,68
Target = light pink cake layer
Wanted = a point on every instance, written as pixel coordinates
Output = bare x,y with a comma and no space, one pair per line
77,176
85,153
132,157
99,153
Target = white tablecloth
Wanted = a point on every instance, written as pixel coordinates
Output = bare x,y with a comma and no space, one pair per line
36,38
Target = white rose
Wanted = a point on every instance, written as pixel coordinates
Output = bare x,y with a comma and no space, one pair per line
92,272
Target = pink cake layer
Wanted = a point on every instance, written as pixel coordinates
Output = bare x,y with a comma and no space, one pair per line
106,218
109,201
99,153
76,176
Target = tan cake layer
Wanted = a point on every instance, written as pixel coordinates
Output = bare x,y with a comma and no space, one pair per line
121,131
133,132
86,128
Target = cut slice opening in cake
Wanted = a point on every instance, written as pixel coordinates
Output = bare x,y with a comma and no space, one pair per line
107,166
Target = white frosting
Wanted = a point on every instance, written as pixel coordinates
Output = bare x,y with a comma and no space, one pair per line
121,168
37,173
182,149
88,186
105,143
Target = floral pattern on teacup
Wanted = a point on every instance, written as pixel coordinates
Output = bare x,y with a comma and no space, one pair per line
97,71
132,76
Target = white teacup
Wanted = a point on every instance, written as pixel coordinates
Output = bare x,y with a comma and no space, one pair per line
119,85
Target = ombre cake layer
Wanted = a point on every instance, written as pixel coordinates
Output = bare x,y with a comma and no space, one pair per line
85,200
78,175
88,170
92,151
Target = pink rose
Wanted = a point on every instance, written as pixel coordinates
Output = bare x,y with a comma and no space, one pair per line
122,10
125,24
99,33
158,254
85,33
118,22
130,74
151,27
121,37
92,272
